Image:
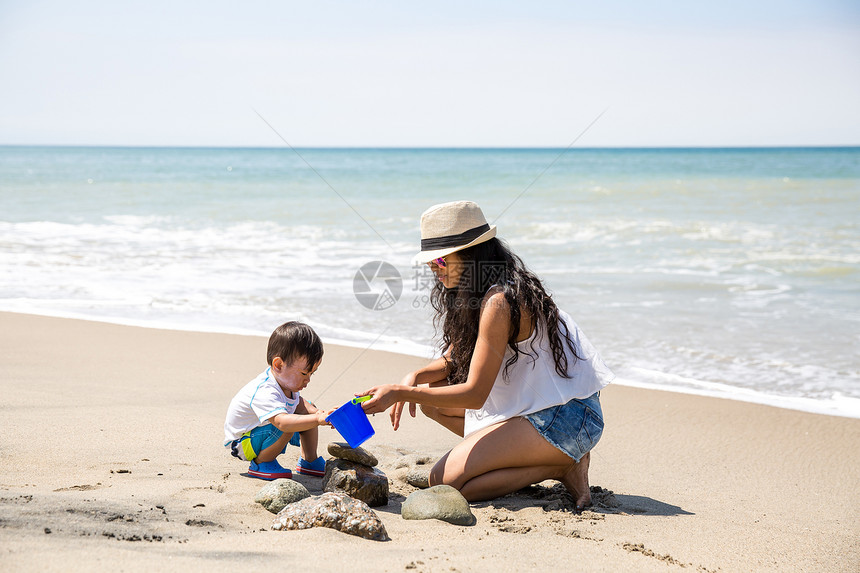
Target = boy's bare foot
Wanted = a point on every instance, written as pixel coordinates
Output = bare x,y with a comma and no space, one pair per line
576,482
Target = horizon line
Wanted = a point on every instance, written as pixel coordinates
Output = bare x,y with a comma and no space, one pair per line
436,148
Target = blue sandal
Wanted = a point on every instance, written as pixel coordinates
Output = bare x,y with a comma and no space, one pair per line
315,468
269,470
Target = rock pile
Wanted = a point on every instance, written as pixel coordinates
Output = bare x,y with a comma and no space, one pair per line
353,472
341,450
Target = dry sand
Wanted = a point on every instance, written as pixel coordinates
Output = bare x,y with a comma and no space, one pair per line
112,460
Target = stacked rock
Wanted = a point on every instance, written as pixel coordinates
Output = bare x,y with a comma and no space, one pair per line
353,471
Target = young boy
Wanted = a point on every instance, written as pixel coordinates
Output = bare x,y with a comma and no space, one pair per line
268,413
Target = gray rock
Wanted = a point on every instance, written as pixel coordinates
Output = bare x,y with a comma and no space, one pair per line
334,510
341,450
369,485
438,502
419,477
279,493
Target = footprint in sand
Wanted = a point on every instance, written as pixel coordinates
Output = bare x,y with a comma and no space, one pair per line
85,487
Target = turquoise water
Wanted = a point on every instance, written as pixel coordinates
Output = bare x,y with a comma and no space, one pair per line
731,272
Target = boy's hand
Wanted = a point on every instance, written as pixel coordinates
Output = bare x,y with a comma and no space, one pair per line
321,417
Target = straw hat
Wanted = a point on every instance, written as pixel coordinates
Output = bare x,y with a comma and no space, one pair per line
451,227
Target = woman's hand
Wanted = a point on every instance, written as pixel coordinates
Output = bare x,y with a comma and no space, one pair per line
383,397
397,410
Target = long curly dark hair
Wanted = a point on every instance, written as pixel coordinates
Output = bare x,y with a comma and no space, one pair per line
492,265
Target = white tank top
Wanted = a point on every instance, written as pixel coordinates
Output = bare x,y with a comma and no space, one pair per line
533,384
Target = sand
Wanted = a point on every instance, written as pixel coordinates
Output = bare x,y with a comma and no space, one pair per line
112,460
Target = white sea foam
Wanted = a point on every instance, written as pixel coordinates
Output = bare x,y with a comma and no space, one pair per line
836,405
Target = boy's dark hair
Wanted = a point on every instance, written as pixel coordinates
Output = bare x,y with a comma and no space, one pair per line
293,340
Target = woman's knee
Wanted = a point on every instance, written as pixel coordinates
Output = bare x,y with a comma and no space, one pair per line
435,477
447,472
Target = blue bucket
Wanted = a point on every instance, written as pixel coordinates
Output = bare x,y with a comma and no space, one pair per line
351,422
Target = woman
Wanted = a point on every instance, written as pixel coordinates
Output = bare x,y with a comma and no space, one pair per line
517,377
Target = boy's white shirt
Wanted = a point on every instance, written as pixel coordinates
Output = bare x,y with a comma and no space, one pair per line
256,403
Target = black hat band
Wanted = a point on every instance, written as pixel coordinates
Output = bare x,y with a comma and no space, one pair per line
454,240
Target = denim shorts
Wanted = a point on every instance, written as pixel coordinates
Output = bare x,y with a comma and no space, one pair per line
574,428
252,443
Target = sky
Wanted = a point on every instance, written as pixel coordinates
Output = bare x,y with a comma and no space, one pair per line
430,74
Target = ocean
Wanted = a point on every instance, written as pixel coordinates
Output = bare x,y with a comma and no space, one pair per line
724,272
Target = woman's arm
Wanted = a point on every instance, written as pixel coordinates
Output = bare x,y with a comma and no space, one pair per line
436,371
433,373
493,331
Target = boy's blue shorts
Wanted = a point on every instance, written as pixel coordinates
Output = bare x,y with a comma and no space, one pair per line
252,443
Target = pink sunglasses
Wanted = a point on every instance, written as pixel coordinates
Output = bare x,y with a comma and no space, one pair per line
440,262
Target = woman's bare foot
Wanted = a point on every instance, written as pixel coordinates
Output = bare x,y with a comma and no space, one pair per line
576,482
